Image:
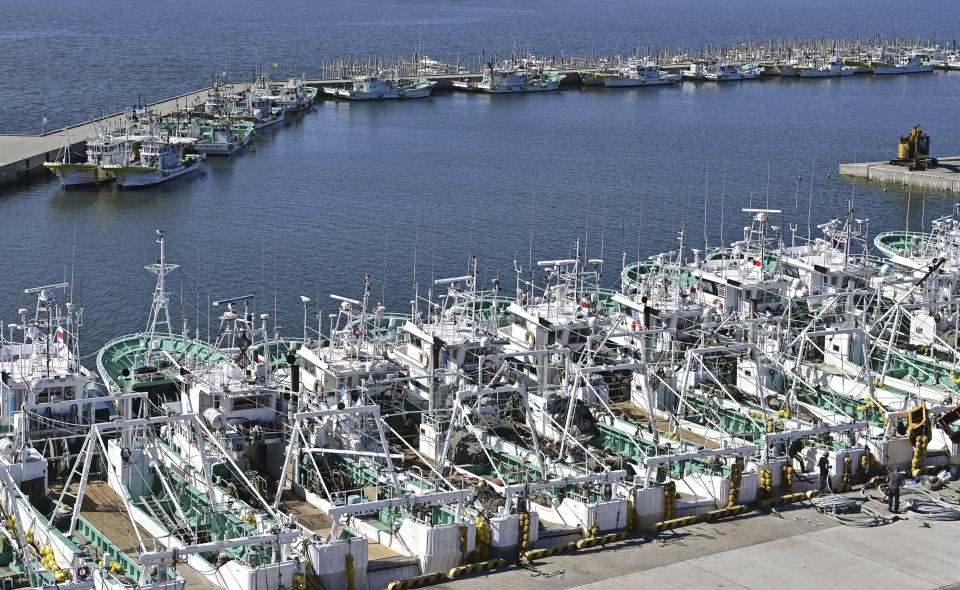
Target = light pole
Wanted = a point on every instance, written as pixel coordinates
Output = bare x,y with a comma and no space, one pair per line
306,301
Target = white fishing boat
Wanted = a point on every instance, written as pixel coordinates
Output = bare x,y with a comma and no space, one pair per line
913,65
45,392
223,137
829,69
635,73
259,109
382,88
102,149
788,68
217,102
727,72
294,94
512,80
161,158
696,71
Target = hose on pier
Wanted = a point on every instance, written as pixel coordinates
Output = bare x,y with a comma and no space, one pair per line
929,509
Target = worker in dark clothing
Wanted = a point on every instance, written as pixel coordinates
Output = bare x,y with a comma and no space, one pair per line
893,493
795,447
824,465
901,428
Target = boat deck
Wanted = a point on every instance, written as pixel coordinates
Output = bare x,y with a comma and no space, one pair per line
320,522
10,576
103,509
637,415
307,514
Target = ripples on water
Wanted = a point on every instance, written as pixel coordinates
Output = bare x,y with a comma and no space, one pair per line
338,191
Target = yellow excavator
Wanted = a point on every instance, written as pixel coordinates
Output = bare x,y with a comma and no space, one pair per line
913,151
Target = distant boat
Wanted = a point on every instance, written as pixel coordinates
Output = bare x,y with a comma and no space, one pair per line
694,72
825,70
914,65
636,73
787,68
594,78
729,72
512,81
382,88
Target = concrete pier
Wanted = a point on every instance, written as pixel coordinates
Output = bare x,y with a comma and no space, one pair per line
945,177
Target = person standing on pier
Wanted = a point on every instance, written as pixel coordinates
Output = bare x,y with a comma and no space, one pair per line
824,465
894,479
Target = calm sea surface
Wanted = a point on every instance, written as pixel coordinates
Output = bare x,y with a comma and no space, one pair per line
351,189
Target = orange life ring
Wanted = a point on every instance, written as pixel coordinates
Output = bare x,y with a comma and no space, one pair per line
636,326
716,301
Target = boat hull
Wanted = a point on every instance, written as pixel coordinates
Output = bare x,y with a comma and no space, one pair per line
724,78
74,175
507,89
269,122
593,78
620,82
893,70
392,94
223,149
136,177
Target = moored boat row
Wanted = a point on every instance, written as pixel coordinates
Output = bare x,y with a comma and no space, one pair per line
481,423
149,148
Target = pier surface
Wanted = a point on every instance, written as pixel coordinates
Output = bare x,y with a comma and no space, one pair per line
799,548
945,177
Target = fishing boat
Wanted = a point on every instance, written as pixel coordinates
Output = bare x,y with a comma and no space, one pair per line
695,71
913,65
48,543
222,137
789,68
382,88
512,80
636,74
728,72
829,69
102,149
45,392
258,109
217,102
293,95
159,158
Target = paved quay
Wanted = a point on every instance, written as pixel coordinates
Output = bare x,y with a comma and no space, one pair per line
945,177
799,549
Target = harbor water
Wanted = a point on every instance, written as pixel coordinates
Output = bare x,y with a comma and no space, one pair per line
348,189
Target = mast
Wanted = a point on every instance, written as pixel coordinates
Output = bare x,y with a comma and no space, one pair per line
159,312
